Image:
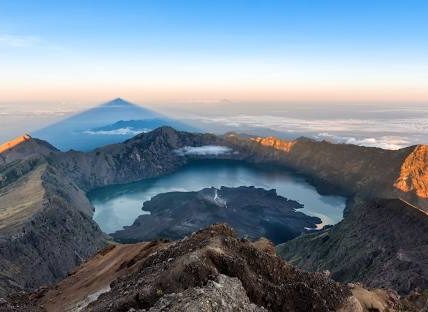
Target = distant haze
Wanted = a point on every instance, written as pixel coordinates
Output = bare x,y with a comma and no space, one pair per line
389,126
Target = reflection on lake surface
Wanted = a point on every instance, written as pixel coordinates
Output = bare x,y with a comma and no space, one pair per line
119,205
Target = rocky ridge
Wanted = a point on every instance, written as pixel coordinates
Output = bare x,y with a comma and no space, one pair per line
211,270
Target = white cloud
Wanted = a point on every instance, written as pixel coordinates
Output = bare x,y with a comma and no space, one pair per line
385,142
18,41
120,131
204,150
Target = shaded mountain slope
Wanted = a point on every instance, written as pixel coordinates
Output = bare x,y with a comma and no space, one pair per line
95,276
382,243
144,156
252,212
46,225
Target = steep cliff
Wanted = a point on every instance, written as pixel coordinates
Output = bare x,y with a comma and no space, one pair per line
382,243
46,225
413,176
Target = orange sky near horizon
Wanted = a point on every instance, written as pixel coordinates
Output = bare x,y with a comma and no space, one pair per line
193,94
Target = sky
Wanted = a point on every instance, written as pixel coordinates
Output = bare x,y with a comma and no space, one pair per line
86,52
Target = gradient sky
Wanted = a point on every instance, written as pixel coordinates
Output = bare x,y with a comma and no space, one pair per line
175,51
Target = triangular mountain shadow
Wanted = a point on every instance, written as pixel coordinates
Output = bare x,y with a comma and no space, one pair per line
108,123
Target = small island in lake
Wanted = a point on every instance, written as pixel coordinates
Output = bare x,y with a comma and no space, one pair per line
252,212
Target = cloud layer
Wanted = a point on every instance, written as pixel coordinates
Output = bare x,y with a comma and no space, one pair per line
387,133
385,142
287,124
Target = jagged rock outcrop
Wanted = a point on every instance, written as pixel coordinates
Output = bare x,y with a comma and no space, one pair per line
252,212
381,243
24,147
225,294
413,176
11,144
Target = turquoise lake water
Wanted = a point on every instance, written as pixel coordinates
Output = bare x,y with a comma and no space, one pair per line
119,205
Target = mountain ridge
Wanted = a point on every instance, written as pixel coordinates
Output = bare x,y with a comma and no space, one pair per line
333,168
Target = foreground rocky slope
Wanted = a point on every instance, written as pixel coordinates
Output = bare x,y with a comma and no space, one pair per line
253,212
212,270
382,243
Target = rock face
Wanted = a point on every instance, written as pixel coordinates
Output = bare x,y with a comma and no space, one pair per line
253,212
24,147
382,243
193,270
414,173
10,144
225,294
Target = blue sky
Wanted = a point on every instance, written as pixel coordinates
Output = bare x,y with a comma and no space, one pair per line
207,50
